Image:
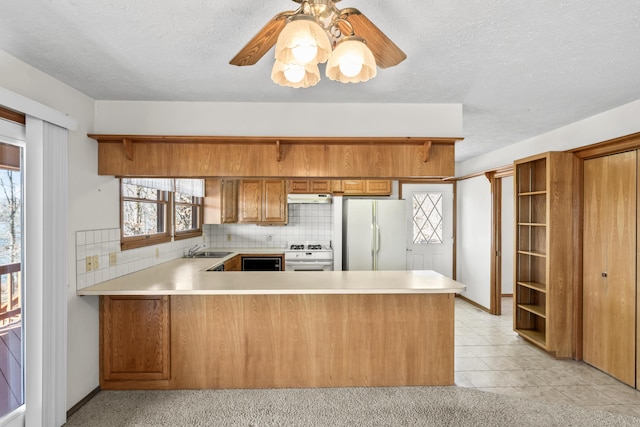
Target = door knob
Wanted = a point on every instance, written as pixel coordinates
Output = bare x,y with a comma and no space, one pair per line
604,274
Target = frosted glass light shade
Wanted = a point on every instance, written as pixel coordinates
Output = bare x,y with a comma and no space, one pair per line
351,62
294,75
303,41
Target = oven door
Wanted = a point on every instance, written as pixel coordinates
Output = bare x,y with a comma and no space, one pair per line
306,265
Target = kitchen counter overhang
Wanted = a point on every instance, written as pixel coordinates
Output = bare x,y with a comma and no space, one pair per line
189,276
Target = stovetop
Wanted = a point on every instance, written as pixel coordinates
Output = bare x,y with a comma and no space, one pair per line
308,246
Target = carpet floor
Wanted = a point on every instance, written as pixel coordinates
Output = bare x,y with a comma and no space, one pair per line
335,407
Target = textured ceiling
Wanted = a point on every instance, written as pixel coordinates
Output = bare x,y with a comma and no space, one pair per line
520,68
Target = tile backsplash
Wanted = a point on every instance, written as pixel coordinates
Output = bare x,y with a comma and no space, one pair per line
307,222
99,246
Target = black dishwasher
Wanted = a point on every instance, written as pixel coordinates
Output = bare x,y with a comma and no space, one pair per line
261,263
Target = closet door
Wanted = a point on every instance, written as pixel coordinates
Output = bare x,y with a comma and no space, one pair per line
609,272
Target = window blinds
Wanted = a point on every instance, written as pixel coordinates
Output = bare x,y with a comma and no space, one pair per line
187,187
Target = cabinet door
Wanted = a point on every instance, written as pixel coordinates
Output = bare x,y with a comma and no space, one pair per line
233,264
353,186
319,186
134,338
609,264
250,200
275,201
378,186
229,201
299,186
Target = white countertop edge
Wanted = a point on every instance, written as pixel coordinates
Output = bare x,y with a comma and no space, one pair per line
274,292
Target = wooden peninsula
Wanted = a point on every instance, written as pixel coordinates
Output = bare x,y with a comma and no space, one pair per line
179,326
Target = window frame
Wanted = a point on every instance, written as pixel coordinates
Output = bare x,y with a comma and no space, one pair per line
170,234
193,232
132,242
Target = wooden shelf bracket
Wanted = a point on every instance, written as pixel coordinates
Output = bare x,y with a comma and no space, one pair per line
128,148
278,151
426,152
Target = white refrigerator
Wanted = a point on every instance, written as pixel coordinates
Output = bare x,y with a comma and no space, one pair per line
374,235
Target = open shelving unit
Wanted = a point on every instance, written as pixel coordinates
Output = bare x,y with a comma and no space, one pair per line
543,270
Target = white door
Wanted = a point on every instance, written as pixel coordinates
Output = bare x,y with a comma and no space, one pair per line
429,227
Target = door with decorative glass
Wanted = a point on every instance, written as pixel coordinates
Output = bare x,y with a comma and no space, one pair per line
429,227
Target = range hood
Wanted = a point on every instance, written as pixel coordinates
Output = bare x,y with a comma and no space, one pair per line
309,198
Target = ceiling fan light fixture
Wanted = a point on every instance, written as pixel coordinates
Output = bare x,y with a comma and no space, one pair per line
294,75
351,61
303,41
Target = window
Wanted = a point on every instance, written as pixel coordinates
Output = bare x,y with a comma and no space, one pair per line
155,210
187,216
144,215
427,218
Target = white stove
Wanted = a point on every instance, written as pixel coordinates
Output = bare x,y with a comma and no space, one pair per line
308,256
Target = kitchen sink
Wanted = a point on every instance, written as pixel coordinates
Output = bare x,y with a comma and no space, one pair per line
211,254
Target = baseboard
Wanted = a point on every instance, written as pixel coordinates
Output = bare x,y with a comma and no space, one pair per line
84,400
473,303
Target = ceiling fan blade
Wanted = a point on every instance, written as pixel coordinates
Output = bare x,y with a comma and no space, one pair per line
261,42
385,51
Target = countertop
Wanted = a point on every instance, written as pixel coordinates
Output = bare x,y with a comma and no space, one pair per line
188,276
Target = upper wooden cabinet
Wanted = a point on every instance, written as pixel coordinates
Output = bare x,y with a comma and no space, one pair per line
262,201
220,201
275,157
309,186
366,187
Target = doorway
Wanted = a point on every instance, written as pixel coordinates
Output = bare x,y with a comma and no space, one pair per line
429,227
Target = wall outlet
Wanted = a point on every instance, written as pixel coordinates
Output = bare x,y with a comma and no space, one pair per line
157,252
113,260
95,262
89,264
228,237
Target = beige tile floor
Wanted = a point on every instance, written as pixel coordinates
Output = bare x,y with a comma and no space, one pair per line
491,357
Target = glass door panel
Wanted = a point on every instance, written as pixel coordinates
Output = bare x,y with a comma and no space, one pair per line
11,286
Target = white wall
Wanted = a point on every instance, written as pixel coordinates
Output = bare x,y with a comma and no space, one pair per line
473,258
90,205
270,119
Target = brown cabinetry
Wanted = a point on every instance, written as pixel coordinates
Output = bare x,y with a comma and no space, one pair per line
543,252
220,201
233,264
134,341
309,186
262,201
366,187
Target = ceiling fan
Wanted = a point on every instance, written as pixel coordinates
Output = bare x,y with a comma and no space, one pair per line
338,25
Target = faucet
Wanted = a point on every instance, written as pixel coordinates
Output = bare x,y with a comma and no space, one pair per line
193,250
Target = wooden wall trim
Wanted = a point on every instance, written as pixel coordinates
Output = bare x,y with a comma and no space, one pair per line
499,172
210,139
12,116
611,146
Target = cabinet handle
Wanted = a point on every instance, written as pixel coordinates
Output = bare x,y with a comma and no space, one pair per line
604,274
